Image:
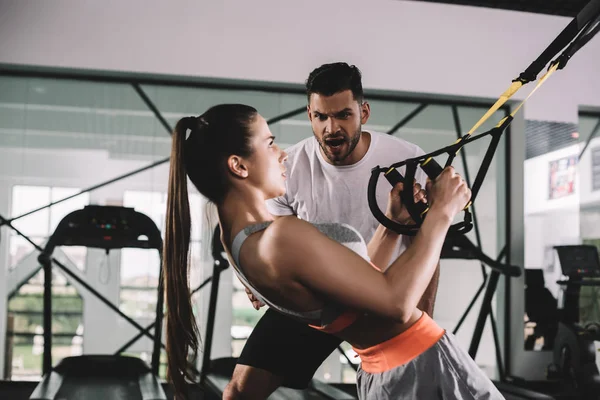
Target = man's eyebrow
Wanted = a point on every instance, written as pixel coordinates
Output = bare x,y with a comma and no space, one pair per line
347,109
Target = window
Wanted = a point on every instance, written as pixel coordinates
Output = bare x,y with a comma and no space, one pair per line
25,307
26,328
41,224
140,267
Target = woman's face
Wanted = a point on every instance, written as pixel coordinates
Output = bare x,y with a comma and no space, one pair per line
265,166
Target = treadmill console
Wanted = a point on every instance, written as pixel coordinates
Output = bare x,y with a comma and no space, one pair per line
579,261
107,227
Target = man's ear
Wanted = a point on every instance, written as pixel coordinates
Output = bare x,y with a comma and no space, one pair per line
237,166
308,112
365,112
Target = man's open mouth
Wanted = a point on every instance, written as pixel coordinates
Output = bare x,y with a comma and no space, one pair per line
335,142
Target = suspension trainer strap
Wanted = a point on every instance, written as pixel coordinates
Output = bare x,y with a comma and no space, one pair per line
574,36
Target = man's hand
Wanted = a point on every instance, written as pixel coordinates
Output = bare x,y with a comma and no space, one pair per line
256,303
396,211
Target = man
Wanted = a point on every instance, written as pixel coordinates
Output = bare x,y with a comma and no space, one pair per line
327,181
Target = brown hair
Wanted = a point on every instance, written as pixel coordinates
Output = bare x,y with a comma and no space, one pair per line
329,79
220,132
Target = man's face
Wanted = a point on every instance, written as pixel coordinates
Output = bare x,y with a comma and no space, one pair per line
337,124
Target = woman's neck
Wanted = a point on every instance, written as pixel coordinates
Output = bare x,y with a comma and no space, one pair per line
239,210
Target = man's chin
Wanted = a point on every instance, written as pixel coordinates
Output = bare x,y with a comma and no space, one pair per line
337,157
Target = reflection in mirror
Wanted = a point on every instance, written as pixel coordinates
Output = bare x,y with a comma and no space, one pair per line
551,194
562,243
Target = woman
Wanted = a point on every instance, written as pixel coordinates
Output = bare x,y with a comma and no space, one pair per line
318,273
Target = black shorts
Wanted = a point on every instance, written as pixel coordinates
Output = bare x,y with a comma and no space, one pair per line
287,348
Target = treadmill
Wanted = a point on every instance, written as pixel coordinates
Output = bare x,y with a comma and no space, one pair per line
216,374
102,376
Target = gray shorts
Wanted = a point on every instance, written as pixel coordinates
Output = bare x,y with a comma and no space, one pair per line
444,371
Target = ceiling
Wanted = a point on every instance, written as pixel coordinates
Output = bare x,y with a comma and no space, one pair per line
568,8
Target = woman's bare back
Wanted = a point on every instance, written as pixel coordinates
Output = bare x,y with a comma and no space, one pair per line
278,283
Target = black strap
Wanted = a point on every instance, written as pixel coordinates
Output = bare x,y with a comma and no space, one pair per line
489,156
588,14
584,36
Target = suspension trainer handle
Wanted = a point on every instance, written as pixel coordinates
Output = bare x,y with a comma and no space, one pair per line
417,211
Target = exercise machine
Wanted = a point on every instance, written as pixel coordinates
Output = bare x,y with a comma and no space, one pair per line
215,374
541,308
574,353
103,376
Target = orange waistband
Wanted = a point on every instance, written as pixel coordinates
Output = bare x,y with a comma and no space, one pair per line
403,348
339,324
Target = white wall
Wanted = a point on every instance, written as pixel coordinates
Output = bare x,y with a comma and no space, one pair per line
399,45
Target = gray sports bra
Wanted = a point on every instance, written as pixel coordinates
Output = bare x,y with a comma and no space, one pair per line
342,233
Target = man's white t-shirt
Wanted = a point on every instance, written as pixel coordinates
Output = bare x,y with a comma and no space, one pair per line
317,191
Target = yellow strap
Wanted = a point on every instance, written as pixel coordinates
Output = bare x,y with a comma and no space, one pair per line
514,87
541,81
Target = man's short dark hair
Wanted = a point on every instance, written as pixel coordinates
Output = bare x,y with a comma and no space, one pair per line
329,79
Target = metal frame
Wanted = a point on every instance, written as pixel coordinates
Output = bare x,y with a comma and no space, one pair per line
23,71
507,238
136,80
594,132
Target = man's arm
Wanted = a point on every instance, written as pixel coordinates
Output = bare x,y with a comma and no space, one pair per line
380,250
384,242
427,301
381,246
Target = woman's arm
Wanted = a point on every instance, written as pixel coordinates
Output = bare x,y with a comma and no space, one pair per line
338,273
300,250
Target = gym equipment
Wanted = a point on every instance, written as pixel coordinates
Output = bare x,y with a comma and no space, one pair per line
215,374
101,376
573,37
541,308
574,357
